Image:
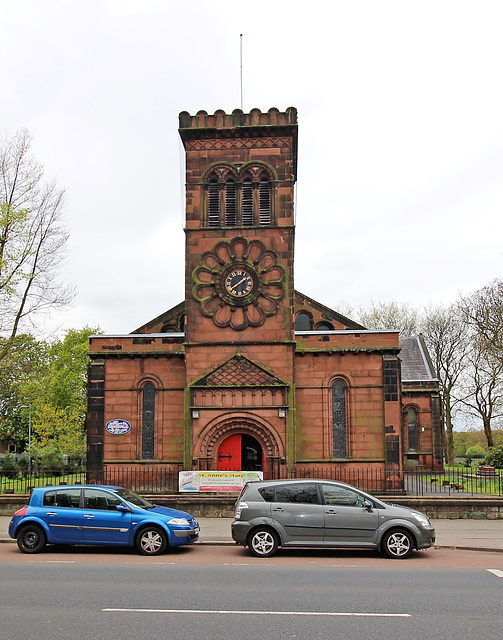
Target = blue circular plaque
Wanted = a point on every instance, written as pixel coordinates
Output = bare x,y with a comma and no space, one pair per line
118,427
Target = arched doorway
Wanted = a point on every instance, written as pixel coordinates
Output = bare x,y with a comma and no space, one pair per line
239,452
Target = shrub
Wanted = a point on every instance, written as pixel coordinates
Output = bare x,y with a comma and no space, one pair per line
8,466
50,459
494,457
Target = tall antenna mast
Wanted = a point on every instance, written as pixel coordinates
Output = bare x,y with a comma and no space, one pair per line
241,67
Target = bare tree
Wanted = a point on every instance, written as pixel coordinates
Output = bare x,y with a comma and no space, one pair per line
448,339
483,311
483,387
390,315
32,239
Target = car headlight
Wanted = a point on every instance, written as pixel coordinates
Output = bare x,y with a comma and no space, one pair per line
421,519
182,521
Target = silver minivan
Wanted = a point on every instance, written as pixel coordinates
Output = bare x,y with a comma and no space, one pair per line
323,513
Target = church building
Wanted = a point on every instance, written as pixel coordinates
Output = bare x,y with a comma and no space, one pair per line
247,373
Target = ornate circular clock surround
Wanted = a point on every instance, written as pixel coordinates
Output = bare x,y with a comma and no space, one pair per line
239,283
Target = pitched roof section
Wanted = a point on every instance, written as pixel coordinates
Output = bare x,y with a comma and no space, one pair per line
303,302
239,372
416,363
170,316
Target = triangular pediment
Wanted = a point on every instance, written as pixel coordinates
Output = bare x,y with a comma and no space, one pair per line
239,371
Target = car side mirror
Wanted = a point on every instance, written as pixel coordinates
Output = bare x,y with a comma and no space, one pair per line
123,508
368,505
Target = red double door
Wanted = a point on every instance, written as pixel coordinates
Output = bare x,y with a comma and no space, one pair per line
239,452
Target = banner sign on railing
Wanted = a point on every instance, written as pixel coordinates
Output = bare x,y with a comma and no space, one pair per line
216,480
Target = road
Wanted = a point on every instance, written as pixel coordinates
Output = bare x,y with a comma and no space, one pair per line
220,592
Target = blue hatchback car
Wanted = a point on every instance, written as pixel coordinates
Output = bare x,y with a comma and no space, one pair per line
99,515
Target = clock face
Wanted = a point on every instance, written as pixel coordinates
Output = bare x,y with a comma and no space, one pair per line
239,283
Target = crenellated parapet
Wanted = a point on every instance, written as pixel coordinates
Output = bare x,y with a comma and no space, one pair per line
237,119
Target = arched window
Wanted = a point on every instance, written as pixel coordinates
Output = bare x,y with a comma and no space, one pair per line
412,428
238,200
303,322
147,421
169,328
324,326
339,420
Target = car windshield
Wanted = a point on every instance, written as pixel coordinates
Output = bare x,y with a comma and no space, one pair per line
133,498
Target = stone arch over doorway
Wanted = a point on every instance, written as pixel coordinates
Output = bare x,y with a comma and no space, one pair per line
207,444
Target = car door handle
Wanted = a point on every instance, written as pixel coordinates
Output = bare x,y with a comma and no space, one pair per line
278,509
330,512
51,513
88,515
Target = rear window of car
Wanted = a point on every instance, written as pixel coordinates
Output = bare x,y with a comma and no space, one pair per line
300,493
69,498
267,493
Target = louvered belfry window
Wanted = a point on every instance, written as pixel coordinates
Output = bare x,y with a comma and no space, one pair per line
339,420
213,204
245,201
230,204
147,423
264,202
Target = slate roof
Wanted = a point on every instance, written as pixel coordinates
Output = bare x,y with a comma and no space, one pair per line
416,363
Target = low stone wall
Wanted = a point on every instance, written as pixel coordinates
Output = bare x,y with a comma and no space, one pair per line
479,508
218,506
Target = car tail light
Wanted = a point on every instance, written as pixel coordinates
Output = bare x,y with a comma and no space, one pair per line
239,507
21,512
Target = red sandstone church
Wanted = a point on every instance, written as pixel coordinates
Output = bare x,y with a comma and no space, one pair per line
247,373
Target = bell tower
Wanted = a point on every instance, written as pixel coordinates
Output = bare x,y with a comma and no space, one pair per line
240,174
239,294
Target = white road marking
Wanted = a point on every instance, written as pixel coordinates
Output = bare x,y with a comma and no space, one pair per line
261,613
497,572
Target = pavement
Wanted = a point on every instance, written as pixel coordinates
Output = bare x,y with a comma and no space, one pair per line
478,535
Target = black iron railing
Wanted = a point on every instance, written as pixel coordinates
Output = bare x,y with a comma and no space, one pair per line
158,479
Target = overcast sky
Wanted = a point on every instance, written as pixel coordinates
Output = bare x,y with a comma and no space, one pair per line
400,174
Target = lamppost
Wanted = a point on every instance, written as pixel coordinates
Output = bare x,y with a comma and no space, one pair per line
28,406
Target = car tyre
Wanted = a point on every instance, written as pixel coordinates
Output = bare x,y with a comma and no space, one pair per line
397,544
31,538
263,543
151,541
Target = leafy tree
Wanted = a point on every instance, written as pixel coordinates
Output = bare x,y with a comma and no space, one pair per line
32,239
62,395
53,381
463,440
67,386
26,363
